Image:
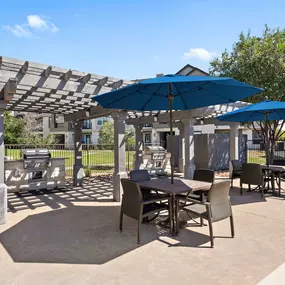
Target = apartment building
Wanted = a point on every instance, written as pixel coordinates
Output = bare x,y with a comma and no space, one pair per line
64,133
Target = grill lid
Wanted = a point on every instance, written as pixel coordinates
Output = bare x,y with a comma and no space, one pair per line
155,148
36,153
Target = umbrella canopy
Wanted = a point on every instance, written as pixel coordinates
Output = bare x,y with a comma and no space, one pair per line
189,92
266,110
176,92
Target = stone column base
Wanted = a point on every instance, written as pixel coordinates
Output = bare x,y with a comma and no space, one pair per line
78,175
3,204
117,186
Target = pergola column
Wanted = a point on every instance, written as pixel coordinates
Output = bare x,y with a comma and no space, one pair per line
119,154
139,146
234,145
3,188
78,168
189,166
181,147
46,126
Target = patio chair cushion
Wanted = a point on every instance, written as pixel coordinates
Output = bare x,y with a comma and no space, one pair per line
197,209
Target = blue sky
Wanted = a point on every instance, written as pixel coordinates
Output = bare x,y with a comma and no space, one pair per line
130,39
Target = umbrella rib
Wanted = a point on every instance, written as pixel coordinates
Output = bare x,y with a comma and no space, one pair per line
182,99
211,92
154,94
121,98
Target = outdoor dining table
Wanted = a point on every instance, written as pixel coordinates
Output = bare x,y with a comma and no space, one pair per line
180,186
278,171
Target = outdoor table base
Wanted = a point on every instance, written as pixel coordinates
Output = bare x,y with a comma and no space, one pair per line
178,187
277,171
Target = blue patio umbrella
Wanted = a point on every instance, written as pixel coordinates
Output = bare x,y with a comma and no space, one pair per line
176,92
262,111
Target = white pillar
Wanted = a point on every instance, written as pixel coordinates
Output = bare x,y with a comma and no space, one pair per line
46,127
154,137
3,188
189,166
78,168
139,146
181,147
234,145
119,154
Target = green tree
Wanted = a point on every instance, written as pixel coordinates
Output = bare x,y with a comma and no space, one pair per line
38,140
259,61
106,135
14,129
130,139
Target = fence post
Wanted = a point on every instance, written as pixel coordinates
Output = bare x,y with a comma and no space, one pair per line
87,162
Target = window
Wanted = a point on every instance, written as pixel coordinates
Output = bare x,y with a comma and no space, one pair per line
255,135
105,119
88,139
147,139
99,122
256,139
87,124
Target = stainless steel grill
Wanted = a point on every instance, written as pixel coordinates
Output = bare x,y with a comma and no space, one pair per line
36,158
36,170
156,159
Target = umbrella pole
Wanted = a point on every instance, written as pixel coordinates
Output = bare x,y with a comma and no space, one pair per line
170,98
267,135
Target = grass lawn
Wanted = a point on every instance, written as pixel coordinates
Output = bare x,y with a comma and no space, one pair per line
256,156
89,158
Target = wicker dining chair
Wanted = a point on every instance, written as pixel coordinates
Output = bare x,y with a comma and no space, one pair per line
252,175
202,174
235,170
134,206
216,208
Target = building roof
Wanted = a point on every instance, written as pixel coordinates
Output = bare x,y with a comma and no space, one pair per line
189,69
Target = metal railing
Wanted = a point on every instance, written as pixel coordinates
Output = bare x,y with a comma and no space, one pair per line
95,158
256,152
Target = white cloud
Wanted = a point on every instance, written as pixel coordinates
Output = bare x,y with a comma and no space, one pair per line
37,23
19,31
34,23
200,53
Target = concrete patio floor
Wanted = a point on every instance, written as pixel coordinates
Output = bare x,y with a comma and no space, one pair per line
71,237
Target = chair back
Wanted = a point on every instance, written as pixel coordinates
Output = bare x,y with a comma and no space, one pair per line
252,174
139,175
132,197
279,162
206,175
235,168
236,164
218,197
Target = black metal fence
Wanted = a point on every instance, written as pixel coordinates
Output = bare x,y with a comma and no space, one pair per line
256,152
95,158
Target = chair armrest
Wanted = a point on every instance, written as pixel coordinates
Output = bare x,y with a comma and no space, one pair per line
198,202
155,200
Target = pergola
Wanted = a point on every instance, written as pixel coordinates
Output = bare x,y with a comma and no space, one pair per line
32,87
